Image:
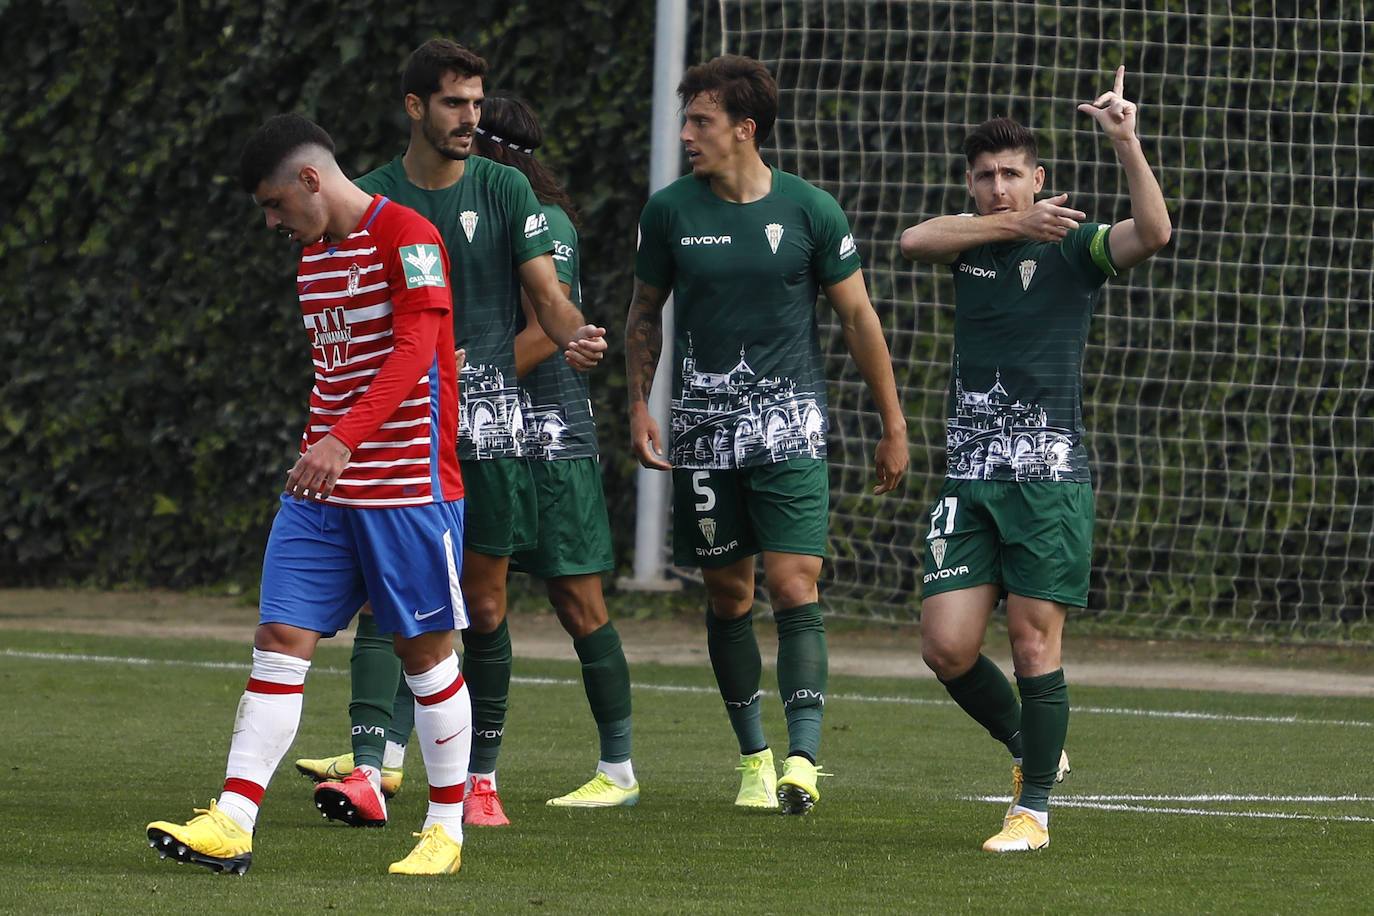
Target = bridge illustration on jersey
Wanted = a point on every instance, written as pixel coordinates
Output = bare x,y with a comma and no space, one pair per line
490,414
546,426
726,419
990,433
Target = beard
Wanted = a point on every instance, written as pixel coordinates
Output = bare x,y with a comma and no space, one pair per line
444,143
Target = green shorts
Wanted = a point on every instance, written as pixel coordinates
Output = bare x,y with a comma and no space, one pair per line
1032,538
721,516
574,530
501,510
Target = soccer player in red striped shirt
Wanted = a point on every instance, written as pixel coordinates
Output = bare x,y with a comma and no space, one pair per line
373,509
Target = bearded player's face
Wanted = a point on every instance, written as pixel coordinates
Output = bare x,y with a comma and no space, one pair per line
450,116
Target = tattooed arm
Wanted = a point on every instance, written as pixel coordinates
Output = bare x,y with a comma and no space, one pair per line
643,344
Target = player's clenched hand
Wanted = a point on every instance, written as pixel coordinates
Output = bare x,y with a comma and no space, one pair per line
1048,220
644,438
1113,111
316,472
587,348
460,358
891,461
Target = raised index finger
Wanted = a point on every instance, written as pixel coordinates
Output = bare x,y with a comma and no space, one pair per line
1120,86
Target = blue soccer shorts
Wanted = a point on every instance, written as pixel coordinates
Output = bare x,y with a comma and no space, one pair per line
324,561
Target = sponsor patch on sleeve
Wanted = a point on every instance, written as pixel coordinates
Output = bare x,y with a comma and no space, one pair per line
536,223
847,246
423,266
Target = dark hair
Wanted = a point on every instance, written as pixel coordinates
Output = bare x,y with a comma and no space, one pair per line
273,143
998,135
741,86
436,57
509,133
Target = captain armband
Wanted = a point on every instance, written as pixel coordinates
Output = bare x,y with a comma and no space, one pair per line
1101,255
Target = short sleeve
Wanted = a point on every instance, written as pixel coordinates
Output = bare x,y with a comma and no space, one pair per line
528,226
418,267
1087,247
836,255
564,238
653,261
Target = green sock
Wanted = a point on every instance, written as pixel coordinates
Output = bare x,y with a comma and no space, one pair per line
402,715
735,659
803,670
985,694
486,668
606,678
1044,723
375,670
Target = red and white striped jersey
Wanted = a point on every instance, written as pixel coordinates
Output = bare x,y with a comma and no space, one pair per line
377,308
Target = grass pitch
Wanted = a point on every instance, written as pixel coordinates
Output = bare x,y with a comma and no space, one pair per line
1179,801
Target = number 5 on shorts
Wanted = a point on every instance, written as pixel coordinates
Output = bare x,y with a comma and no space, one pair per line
707,500
946,507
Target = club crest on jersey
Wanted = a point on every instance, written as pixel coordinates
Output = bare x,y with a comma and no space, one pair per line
425,268
354,275
774,233
330,335
937,550
1027,271
468,219
847,246
708,530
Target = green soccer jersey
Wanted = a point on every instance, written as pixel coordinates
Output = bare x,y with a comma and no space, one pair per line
748,385
1021,318
491,223
558,406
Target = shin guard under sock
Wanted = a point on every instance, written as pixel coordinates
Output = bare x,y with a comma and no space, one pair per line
375,672
986,695
606,679
803,673
1044,726
486,668
735,659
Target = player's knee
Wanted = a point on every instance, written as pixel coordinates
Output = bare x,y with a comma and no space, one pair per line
946,661
791,580
1034,654
419,654
485,615
793,593
729,599
578,615
284,640
729,609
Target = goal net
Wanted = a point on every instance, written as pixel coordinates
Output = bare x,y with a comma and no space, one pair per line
1227,381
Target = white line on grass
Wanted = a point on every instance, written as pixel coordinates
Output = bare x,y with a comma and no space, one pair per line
126,660
671,688
1221,797
1145,713
1218,717
1102,803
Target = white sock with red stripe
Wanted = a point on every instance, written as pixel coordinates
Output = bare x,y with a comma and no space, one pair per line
269,714
443,723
